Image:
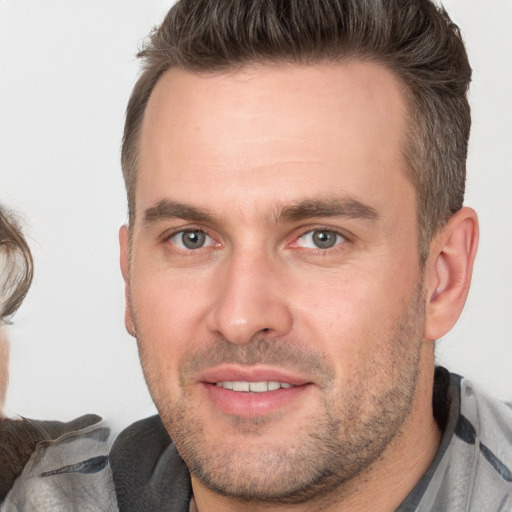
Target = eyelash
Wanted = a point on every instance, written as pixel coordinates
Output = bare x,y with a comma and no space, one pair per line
191,229
294,245
322,250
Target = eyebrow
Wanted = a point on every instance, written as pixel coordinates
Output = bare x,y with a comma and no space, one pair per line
309,208
167,209
338,207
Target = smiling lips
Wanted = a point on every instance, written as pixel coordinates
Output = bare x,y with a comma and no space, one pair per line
253,387
250,392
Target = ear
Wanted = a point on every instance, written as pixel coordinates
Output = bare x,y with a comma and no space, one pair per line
124,246
448,273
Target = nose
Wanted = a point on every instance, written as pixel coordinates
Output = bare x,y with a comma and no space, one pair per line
250,300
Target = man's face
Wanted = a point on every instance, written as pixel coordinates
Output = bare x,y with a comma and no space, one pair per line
274,282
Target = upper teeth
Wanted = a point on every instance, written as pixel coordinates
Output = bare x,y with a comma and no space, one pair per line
255,387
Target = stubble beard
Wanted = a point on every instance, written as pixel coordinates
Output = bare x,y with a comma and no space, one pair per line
346,435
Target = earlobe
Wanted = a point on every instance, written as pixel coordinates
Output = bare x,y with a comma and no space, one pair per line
124,259
448,276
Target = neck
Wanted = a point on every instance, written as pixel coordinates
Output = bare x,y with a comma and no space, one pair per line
387,482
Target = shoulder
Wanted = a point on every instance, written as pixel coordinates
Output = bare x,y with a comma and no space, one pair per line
147,470
67,468
472,468
486,422
19,438
477,470
149,433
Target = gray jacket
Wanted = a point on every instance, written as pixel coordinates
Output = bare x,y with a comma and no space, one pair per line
144,472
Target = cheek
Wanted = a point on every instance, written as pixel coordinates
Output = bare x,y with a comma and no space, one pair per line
348,305
353,319
168,312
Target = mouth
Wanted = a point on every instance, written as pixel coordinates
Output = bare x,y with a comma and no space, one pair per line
253,391
253,387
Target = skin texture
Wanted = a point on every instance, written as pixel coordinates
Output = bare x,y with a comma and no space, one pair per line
259,160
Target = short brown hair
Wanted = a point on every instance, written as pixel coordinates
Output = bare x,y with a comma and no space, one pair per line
413,38
16,266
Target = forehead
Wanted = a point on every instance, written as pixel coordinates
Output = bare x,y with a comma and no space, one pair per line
270,130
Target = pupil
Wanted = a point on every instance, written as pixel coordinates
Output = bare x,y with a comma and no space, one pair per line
324,239
193,239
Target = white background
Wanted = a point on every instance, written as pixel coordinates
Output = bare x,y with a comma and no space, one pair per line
67,68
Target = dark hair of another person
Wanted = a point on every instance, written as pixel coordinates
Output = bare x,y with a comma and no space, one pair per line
17,438
414,39
16,266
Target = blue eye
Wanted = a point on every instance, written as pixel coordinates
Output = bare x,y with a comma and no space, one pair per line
320,239
191,239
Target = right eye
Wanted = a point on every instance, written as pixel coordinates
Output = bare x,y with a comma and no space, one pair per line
191,239
320,239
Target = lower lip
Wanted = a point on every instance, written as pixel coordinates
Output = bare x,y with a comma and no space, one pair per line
249,405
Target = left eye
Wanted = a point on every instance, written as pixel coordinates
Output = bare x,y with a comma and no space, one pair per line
320,239
191,239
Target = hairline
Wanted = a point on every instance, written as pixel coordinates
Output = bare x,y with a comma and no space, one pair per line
408,143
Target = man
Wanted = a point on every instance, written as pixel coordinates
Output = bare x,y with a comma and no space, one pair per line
296,244
297,241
